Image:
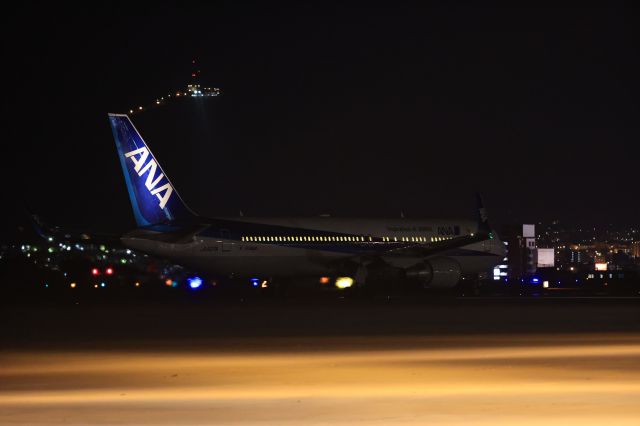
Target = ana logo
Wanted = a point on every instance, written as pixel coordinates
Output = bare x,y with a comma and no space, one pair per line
163,192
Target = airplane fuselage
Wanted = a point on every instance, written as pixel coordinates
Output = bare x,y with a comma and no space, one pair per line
310,246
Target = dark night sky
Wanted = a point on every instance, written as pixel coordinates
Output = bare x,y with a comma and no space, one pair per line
352,111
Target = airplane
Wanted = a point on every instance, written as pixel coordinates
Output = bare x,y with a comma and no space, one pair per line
68,236
437,254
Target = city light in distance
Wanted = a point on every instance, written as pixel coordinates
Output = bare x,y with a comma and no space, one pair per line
601,266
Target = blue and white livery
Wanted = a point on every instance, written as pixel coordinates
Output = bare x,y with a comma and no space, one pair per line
435,252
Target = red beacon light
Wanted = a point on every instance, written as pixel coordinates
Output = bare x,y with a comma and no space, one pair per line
95,271
109,271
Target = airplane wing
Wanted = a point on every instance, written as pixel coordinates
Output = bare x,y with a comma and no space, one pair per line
437,247
57,234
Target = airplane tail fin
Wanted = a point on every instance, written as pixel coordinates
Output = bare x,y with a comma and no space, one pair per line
483,219
38,225
153,197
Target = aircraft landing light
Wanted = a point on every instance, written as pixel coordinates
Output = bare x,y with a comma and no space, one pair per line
344,282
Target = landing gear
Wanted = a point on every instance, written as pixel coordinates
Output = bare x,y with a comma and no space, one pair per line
383,284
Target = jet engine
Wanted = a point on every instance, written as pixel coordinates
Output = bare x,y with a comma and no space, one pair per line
437,273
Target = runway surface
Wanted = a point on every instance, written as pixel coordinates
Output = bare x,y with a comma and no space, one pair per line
355,375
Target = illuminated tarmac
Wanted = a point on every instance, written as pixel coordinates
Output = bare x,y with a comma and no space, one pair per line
273,362
537,379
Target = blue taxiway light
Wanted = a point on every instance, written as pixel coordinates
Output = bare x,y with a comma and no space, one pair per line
194,282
